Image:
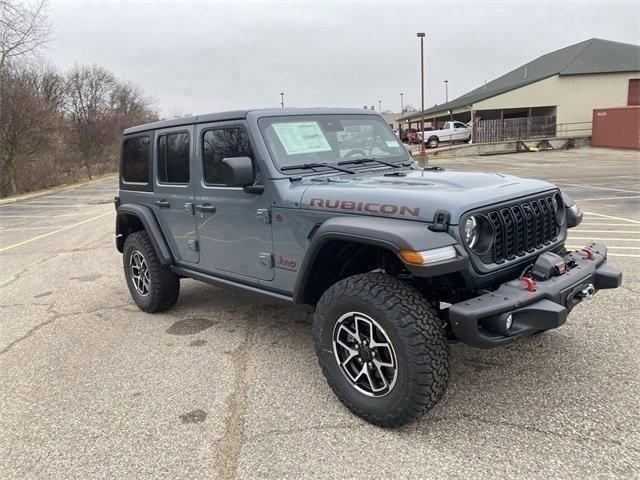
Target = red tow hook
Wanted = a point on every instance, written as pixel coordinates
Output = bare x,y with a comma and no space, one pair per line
590,255
529,284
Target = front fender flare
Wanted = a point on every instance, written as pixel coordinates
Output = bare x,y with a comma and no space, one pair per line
151,226
392,234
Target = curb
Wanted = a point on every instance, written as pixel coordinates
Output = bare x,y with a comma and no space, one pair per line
53,190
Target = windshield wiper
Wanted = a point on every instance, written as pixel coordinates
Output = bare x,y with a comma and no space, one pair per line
357,161
306,166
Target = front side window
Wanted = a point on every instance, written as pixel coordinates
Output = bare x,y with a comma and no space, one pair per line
305,139
173,158
135,159
220,144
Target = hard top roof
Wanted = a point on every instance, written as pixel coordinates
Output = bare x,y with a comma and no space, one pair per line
241,114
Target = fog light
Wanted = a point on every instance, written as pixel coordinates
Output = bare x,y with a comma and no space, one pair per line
508,322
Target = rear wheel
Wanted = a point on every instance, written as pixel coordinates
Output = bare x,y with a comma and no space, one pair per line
433,142
381,348
152,285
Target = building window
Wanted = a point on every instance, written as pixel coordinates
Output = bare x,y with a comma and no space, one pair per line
634,92
173,158
220,144
135,159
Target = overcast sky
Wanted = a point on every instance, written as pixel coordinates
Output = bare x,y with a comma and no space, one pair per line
194,57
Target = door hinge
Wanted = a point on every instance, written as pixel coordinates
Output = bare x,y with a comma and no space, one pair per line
193,245
266,259
264,214
188,207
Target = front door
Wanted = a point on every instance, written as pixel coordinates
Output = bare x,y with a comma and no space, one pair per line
174,190
234,227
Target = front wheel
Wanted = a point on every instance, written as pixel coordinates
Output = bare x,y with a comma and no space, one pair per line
382,348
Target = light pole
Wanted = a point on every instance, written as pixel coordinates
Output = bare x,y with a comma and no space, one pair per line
282,99
420,35
402,103
380,106
446,98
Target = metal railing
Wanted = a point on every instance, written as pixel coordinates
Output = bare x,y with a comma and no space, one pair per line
525,128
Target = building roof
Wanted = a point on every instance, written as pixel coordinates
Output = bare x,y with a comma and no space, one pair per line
240,114
588,57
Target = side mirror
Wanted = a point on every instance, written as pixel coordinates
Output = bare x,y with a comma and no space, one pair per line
237,171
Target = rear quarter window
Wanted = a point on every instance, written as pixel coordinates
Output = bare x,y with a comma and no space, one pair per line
136,159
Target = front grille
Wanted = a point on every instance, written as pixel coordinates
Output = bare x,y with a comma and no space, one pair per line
521,228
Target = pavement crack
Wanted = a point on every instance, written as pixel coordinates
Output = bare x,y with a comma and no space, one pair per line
228,448
56,316
315,428
531,428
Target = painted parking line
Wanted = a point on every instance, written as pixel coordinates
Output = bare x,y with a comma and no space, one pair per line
46,216
602,224
608,247
33,239
607,198
612,217
598,188
604,231
596,178
29,228
605,239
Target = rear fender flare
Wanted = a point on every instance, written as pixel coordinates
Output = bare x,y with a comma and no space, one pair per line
151,226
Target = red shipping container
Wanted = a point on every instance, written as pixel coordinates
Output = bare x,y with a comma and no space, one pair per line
616,127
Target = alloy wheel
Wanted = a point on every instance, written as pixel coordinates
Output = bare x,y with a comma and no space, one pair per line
365,354
139,273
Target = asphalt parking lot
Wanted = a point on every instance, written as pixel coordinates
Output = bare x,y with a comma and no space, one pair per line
226,385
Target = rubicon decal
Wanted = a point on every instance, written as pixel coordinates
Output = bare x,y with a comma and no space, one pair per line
346,205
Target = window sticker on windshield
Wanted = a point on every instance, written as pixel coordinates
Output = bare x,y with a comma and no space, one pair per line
392,143
301,137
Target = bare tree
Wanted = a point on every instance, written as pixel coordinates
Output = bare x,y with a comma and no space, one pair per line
90,92
24,28
25,127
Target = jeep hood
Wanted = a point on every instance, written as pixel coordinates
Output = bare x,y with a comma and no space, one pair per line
414,194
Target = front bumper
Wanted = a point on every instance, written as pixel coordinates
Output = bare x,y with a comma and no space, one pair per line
474,321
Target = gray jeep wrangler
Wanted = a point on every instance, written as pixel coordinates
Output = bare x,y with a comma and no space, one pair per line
325,209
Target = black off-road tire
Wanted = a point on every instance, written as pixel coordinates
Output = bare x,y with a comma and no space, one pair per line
415,331
164,285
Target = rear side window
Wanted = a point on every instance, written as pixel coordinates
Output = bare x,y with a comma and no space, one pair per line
173,158
135,159
220,144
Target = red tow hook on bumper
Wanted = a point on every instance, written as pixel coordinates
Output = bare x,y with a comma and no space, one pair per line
529,284
589,254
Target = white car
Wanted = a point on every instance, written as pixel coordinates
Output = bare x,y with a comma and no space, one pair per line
450,132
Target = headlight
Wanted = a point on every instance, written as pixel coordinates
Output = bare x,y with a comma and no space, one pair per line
471,232
558,208
477,233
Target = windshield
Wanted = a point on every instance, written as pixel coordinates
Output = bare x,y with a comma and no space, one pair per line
316,139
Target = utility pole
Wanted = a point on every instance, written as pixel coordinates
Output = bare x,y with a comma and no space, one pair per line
446,99
420,35
282,99
402,103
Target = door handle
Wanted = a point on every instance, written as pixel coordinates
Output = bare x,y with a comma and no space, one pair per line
162,203
206,207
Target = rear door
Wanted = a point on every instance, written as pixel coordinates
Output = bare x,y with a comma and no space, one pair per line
234,227
174,190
